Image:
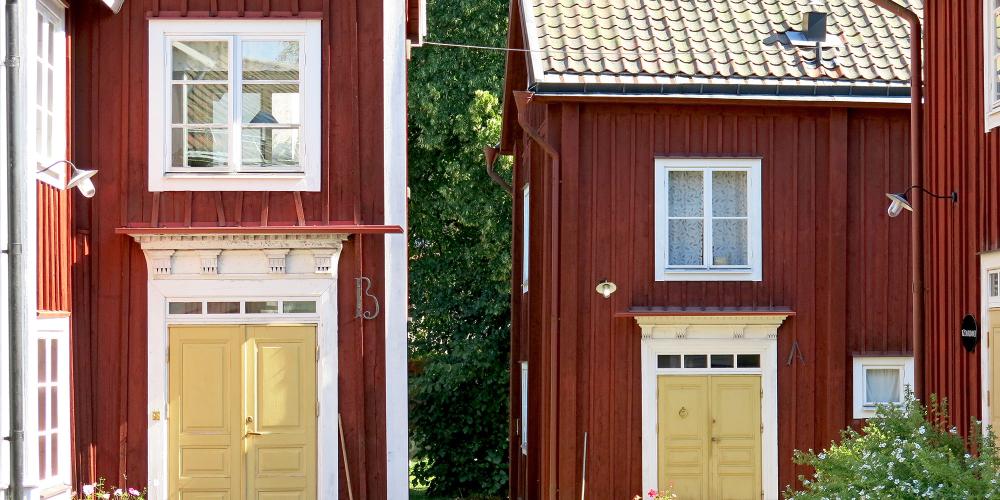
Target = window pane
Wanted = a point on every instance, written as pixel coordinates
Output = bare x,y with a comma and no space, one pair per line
668,361
42,353
748,360
882,385
265,103
184,308
223,308
42,410
695,361
270,307
53,407
53,360
686,197
686,246
200,60
271,60
722,361
299,306
270,147
199,103
729,194
42,458
54,456
200,147
729,242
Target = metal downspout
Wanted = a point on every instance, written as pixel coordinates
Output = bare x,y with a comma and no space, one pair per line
17,231
916,179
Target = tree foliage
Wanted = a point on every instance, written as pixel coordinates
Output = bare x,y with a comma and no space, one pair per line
904,452
459,255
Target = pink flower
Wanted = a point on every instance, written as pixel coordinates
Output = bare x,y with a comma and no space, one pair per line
134,492
89,489
652,493
119,492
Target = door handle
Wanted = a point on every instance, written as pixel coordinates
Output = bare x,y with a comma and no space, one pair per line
254,433
715,439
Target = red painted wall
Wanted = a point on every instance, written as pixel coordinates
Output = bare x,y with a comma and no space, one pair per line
959,157
828,255
55,248
108,101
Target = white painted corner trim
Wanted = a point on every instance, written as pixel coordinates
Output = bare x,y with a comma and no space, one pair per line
751,334
987,262
991,103
242,262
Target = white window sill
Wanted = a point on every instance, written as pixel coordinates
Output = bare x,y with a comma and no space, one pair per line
709,275
234,182
992,120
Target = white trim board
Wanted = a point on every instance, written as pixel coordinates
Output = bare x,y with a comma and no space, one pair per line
987,262
698,335
395,257
306,284
991,104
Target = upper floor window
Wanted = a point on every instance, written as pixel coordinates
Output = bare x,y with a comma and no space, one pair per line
234,105
708,219
991,63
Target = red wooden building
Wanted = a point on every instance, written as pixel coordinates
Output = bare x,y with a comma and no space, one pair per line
706,277
238,282
962,241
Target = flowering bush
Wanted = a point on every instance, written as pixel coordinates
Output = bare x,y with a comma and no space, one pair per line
904,452
97,491
667,494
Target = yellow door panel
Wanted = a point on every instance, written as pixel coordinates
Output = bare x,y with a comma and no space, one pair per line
243,412
205,407
994,348
683,435
708,432
736,455
281,397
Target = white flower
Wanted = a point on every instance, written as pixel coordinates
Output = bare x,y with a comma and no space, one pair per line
921,430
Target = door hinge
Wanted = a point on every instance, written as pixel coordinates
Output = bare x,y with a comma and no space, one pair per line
168,355
317,353
317,408
761,428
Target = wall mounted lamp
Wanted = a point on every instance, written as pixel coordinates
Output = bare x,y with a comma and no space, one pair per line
78,178
606,288
900,201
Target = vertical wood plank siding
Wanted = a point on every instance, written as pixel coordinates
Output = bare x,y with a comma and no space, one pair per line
960,157
109,106
54,248
829,255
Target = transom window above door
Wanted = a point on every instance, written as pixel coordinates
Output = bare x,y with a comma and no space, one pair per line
708,219
234,105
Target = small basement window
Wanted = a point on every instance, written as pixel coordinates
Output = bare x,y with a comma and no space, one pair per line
233,105
880,380
993,288
708,219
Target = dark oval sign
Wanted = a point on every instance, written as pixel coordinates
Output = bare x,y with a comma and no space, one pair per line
970,333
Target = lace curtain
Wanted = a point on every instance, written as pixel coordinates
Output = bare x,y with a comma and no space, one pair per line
882,385
729,217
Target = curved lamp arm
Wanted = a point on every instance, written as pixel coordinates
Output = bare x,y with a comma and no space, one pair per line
953,196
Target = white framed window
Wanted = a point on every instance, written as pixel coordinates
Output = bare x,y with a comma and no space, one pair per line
708,219
993,288
524,407
234,105
51,408
880,380
48,93
525,232
991,62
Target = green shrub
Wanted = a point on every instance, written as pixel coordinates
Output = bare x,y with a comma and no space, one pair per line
906,451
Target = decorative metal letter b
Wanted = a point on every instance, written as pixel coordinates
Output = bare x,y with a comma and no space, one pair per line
362,292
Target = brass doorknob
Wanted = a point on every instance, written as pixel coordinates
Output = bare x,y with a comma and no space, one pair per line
683,413
254,433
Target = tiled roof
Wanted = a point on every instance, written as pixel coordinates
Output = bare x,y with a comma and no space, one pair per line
713,41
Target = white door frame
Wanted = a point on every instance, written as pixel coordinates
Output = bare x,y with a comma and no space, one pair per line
718,334
247,267
988,262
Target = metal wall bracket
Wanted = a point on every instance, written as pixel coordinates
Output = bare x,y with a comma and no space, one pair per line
361,292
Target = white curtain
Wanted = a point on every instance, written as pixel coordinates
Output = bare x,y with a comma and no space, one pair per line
882,385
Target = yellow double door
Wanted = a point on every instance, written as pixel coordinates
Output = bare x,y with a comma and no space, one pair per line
242,412
709,434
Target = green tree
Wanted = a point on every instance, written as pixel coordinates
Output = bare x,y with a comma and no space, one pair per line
459,255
